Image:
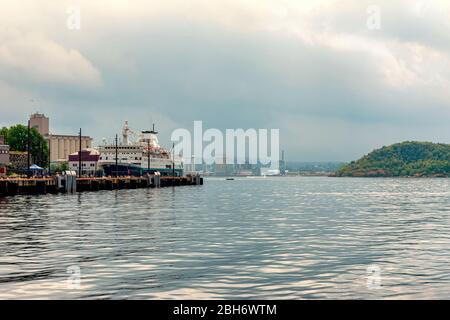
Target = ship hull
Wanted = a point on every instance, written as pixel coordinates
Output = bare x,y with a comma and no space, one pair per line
137,171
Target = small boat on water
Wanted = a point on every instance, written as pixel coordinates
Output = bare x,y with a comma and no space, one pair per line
230,179
257,177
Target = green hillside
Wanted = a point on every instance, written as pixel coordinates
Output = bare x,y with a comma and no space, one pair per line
406,159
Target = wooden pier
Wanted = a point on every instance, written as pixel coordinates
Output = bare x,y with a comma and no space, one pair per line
63,184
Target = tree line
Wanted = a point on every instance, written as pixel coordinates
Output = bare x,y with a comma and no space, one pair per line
402,159
17,139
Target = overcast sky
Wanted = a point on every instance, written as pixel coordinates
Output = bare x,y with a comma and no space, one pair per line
334,87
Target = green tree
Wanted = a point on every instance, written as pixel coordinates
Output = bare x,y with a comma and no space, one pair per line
60,167
17,139
410,158
4,132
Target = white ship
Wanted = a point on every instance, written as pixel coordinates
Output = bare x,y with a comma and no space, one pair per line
138,156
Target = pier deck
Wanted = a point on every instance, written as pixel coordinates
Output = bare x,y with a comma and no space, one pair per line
57,184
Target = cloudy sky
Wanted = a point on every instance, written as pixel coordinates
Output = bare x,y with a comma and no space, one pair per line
321,71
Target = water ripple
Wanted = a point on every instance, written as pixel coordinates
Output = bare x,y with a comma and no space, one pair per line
274,238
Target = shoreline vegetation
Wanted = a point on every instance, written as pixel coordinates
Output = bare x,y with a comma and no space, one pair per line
405,159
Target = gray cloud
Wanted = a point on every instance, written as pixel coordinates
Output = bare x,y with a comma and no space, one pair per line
333,87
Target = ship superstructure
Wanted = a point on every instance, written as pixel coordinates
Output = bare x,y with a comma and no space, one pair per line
138,153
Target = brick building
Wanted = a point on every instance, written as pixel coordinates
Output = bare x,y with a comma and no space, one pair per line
19,160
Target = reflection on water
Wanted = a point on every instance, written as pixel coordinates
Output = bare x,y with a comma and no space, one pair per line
274,238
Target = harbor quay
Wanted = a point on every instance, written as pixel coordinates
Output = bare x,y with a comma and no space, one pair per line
72,184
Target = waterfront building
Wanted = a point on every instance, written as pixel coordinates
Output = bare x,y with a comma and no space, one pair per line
282,164
61,146
18,160
226,168
270,172
89,162
245,173
4,156
4,152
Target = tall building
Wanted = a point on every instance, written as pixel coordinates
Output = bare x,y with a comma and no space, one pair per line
41,123
282,164
61,146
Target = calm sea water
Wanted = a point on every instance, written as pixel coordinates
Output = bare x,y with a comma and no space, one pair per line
274,238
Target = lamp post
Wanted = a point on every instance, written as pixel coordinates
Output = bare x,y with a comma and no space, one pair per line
41,145
117,156
28,150
173,160
80,163
148,150
49,155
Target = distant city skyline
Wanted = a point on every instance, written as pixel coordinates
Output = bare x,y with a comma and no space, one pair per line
338,78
